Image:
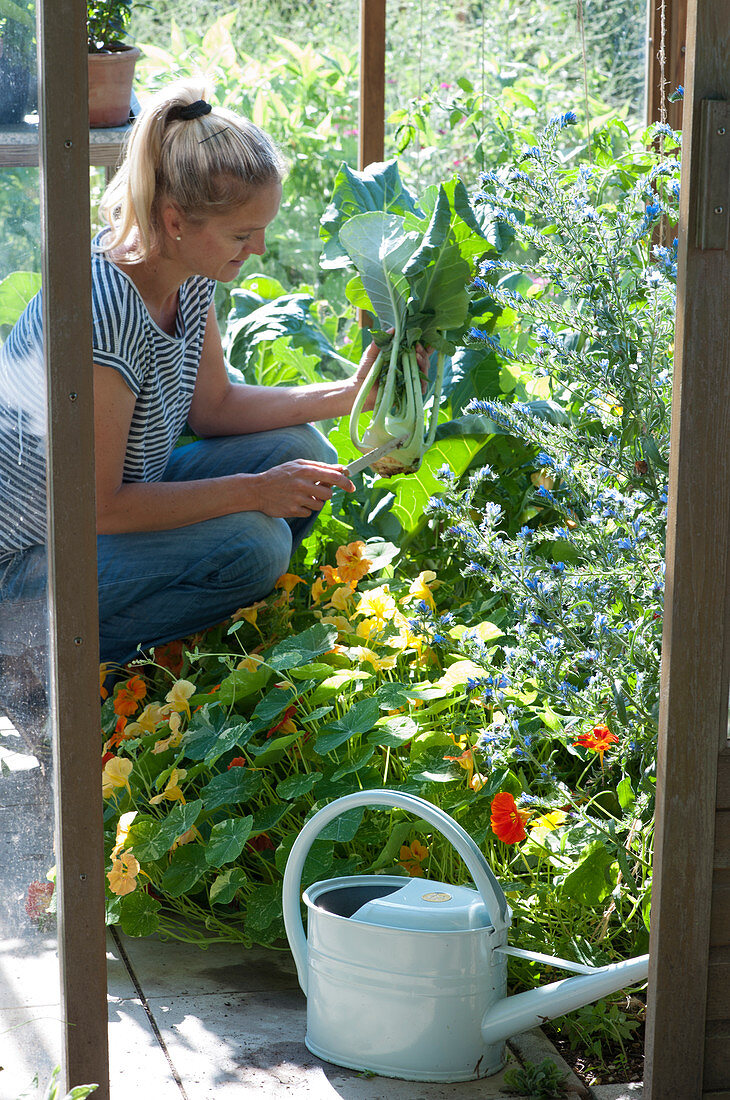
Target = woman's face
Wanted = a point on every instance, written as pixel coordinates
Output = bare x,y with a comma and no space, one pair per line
218,247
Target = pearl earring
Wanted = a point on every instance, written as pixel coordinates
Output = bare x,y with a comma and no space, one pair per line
178,238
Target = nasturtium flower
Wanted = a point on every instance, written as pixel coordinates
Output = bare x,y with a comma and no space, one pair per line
331,576
285,723
344,626
250,614
237,762
115,774
466,761
288,581
146,722
599,740
341,598
123,826
412,856
186,838
171,742
367,628
172,791
123,875
421,588
103,673
378,604
318,589
351,565
251,663
508,823
370,657
547,823
179,694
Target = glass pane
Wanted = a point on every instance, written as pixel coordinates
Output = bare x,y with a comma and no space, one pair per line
496,67
30,1016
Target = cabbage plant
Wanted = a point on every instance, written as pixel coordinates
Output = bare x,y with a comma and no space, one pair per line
413,269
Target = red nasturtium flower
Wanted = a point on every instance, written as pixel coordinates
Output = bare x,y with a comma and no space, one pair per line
285,723
237,762
599,740
127,699
508,823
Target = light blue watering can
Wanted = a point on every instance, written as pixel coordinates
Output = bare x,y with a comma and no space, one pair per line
408,977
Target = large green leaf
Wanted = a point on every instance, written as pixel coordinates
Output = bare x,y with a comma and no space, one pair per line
302,648
593,879
359,719
149,838
138,913
231,787
187,865
16,290
227,840
286,316
225,886
377,187
380,248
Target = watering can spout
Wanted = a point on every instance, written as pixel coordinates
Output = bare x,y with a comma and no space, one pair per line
523,1011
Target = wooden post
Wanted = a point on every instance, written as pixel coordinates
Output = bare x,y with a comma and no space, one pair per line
372,82
64,163
674,50
691,836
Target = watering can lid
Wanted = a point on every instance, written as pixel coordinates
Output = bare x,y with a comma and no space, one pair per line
427,906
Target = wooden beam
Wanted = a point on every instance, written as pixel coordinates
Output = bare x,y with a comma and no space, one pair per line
64,162
694,690
674,20
372,82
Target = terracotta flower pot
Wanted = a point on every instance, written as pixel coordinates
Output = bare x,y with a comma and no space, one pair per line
110,85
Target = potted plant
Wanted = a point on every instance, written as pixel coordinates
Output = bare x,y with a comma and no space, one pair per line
111,62
17,60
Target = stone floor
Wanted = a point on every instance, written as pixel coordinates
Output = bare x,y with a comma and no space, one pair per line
184,1024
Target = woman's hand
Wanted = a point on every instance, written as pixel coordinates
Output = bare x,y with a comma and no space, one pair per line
298,488
370,355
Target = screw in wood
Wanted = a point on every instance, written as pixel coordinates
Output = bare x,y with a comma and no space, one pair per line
719,209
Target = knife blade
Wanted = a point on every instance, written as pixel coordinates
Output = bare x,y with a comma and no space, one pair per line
366,460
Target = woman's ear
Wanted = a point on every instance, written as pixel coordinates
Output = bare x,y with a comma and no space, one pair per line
172,220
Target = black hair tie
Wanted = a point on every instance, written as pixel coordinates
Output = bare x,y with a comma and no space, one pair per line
190,111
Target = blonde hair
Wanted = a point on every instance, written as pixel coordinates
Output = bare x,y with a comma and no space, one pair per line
204,164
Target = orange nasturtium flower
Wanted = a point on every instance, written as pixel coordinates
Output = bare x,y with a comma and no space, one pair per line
237,762
127,699
465,761
123,875
288,581
412,856
508,823
599,740
330,575
351,565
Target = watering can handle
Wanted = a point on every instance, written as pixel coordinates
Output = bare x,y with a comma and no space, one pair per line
484,879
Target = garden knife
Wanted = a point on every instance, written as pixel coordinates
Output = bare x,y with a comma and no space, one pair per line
372,456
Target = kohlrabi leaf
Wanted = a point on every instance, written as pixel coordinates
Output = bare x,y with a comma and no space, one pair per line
378,187
380,249
286,316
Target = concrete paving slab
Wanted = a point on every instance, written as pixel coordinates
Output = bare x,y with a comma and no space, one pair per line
177,969
31,1042
633,1091
240,1044
138,1066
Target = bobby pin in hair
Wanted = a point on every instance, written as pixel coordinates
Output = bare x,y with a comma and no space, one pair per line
215,134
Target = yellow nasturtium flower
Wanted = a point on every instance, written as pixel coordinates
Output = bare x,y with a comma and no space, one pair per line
251,663
341,598
116,774
421,587
378,604
123,826
172,791
368,656
123,875
146,722
547,823
179,694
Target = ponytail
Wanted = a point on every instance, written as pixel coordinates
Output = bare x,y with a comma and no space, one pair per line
181,149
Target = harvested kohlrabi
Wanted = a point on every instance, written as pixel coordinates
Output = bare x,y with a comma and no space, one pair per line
413,273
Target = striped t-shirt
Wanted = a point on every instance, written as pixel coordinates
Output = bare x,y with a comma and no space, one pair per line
159,369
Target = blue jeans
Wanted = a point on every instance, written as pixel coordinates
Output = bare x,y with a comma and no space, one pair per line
156,586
